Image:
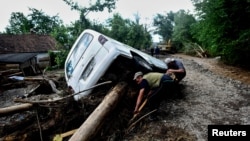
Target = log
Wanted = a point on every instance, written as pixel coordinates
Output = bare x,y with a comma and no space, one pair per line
14,108
53,86
14,74
94,122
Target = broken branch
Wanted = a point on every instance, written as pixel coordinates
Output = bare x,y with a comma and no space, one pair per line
59,99
15,108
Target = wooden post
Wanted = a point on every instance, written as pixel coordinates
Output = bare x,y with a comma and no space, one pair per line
94,122
14,108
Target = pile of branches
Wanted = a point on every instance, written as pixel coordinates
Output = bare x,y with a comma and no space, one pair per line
195,49
46,111
200,52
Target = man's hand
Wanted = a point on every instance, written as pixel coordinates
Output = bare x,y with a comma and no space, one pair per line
138,102
169,71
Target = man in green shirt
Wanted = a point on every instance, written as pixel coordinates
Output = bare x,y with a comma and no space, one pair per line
151,85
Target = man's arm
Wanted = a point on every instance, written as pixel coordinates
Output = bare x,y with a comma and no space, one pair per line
179,70
139,100
174,71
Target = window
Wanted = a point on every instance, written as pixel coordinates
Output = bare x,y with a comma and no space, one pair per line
79,49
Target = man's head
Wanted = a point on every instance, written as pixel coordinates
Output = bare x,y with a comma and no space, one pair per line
138,77
169,61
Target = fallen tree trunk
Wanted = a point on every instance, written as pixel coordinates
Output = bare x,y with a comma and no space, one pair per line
94,122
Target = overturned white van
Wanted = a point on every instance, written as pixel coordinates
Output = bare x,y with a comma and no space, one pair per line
95,57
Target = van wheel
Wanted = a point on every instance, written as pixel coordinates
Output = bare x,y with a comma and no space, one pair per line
142,65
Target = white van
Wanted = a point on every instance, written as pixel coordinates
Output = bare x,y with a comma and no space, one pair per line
95,57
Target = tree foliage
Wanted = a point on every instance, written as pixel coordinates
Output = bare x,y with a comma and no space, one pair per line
98,6
223,29
42,23
119,28
139,37
83,22
182,36
164,24
183,23
175,27
18,24
129,32
37,21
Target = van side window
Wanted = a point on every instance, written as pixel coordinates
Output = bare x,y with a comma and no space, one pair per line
80,48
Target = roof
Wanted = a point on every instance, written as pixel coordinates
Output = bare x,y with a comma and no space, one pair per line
26,43
16,58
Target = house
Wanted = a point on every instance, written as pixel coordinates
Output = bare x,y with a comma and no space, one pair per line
28,52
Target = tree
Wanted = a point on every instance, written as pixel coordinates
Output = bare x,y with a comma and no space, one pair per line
175,27
36,21
63,36
223,29
164,24
129,32
98,6
138,36
119,28
182,35
18,24
183,23
83,22
42,23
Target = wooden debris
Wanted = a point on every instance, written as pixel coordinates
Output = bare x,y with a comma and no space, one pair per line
134,123
15,108
200,51
9,72
59,98
59,137
93,123
27,132
53,86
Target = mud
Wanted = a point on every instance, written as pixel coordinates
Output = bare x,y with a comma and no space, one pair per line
208,97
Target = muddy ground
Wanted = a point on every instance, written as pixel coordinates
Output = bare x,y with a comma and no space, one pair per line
211,93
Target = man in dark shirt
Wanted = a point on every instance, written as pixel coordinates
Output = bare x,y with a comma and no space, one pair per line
157,52
152,51
176,67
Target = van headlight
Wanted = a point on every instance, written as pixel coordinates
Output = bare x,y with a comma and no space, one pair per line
69,69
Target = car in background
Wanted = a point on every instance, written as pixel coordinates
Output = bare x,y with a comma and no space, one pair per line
95,58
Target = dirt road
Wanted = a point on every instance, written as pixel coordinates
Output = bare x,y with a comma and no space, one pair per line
208,98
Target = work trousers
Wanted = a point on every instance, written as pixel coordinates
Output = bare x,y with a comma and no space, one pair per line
158,93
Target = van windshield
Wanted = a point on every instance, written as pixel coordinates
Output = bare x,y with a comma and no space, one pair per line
77,52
